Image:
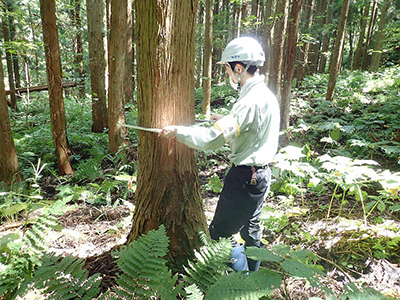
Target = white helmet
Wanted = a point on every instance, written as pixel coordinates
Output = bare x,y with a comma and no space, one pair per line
244,49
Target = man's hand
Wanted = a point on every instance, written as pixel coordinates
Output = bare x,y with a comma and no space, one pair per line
169,132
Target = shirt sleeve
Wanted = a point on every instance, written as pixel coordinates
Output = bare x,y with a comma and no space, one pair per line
200,138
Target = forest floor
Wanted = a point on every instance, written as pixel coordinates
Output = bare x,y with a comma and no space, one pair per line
345,245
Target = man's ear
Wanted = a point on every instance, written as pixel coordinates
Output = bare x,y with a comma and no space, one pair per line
239,69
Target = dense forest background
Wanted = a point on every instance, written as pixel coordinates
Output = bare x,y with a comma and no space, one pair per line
77,183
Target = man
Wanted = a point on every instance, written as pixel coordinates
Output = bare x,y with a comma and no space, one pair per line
252,131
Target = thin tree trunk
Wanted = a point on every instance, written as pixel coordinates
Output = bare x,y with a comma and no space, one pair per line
269,16
168,190
380,38
315,52
326,38
78,46
97,38
9,167
10,69
128,86
116,58
274,79
360,43
302,70
365,57
334,67
293,28
54,78
207,59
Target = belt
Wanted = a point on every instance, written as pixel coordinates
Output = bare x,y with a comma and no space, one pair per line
255,167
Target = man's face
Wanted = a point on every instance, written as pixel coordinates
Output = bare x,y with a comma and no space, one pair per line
231,74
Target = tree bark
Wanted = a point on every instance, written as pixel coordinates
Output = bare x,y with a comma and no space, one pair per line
380,38
207,61
293,28
338,50
97,38
274,79
9,168
365,57
54,78
326,38
167,188
117,60
267,38
78,46
304,51
360,42
9,60
128,86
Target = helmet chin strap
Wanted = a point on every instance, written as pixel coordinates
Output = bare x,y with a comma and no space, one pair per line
240,77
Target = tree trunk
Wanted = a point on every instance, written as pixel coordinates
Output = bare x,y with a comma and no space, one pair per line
365,58
207,62
338,50
304,52
10,69
315,47
360,43
116,60
97,38
274,79
128,86
167,188
9,168
293,28
380,38
54,78
326,38
267,38
78,46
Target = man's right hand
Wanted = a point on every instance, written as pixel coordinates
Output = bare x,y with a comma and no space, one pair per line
216,117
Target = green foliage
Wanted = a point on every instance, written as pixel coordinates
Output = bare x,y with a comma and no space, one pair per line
144,271
20,254
64,278
214,184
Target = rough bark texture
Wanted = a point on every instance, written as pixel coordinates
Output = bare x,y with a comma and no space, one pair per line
274,79
304,52
54,78
207,59
9,168
96,15
167,188
337,52
78,46
293,28
360,42
116,60
380,38
326,37
9,60
365,57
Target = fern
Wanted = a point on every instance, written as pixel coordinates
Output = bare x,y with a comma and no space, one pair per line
145,273
20,255
210,264
64,279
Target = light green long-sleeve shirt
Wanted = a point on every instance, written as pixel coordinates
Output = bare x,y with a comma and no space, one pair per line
257,117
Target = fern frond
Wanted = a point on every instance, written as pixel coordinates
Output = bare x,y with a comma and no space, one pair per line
145,273
240,286
211,263
35,236
65,278
193,293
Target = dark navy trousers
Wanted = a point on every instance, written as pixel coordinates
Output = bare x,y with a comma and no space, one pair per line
240,205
